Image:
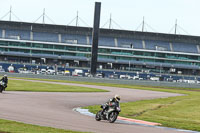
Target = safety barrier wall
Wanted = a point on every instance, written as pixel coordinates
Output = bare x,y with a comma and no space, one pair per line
104,80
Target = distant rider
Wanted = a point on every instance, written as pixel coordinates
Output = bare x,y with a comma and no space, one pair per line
115,100
5,80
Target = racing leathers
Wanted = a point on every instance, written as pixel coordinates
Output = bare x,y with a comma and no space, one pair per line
109,103
5,80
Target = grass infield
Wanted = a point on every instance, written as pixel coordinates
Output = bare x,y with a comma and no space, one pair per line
177,112
7,126
19,85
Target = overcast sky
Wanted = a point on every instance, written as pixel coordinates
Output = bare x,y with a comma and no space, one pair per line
159,15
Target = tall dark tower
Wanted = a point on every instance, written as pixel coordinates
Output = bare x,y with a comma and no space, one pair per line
95,38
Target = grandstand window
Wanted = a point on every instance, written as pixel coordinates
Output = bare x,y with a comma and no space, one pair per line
59,47
13,44
127,52
13,50
182,57
37,45
4,43
70,48
193,57
23,44
103,56
49,46
88,55
148,54
171,56
112,57
168,61
149,60
59,53
104,50
70,54
36,52
24,50
138,53
161,61
47,52
124,58
3,49
81,54
119,52
159,55
83,49
114,50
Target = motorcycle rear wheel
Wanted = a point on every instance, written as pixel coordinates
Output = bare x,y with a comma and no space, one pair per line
98,116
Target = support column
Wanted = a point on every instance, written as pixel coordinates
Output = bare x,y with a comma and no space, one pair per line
116,42
171,47
31,35
95,38
143,44
3,33
59,38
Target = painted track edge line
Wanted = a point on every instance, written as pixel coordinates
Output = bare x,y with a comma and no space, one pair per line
86,112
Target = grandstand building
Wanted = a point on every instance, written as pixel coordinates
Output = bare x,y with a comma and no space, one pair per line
118,49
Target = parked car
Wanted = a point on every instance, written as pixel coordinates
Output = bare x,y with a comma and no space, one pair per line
67,73
11,69
43,71
77,72
154,78
23,70
125,77
99,75
1,69
114,76
51,72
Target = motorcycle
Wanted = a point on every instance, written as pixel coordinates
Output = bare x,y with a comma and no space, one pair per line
110,114
2,86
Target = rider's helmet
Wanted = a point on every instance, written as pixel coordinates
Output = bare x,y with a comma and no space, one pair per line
117,98
5,75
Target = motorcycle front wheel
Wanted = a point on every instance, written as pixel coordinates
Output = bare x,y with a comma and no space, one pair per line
98,116
1,89
112,117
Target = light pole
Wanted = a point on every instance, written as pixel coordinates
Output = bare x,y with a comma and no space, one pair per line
160,68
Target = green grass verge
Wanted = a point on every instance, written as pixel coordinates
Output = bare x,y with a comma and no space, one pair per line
19,85
143,87
7,126
181,112
178,112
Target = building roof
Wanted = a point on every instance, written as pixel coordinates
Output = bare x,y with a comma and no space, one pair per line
61,29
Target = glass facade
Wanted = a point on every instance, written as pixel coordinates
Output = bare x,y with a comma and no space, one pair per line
117,54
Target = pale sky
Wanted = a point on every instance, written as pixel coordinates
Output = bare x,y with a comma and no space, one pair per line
160,15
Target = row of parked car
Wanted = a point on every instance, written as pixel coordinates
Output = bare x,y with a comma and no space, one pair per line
100,74
47,70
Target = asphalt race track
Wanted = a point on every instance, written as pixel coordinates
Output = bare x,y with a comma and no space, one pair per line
55,109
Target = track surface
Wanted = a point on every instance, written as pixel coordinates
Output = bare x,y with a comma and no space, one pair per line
54,109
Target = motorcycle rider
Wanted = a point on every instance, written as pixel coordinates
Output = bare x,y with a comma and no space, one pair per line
115,100
5,80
